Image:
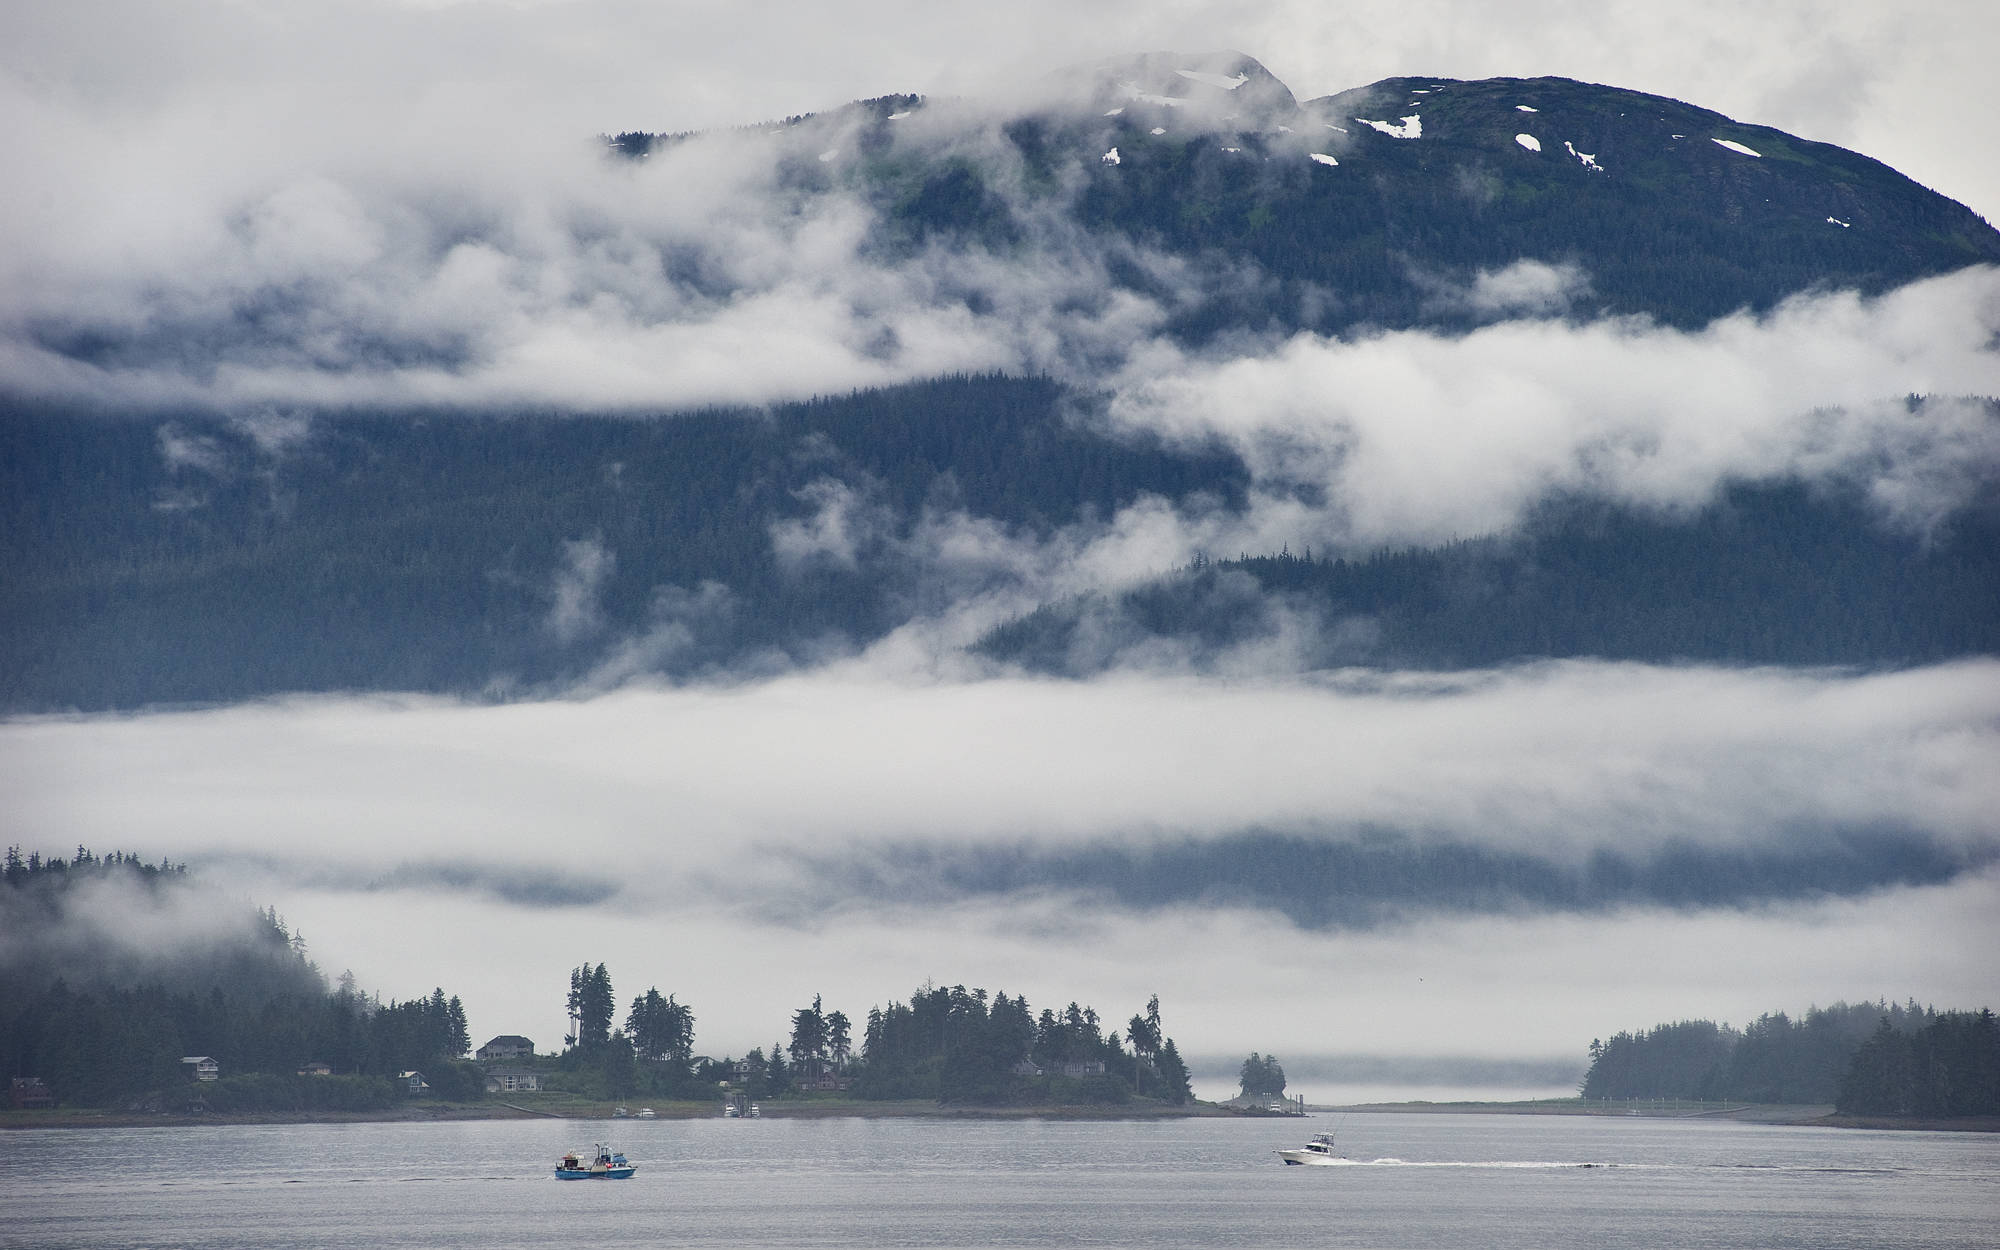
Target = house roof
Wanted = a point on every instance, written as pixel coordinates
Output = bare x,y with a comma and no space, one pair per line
196,1059
509,1039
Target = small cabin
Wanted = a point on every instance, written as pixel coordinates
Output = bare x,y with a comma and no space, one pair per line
413,1083
316,1068
27,1093
201,1067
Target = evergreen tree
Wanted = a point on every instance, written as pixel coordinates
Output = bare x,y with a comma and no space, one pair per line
661,1029
809,1040
1261,1076
839,1042
460,1035
1176,1087
591,1006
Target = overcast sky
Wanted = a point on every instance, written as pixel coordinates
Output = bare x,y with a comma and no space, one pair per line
171,160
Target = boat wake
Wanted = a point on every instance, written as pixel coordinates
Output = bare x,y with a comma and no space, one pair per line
1499,1164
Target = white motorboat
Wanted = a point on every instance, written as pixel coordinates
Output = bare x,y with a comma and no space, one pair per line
1318,1150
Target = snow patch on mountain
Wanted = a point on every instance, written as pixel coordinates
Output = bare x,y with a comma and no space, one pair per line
1844,225
1111,157
1411,127
1214,80
1324,159
1529,142
1134,92
1737,147
1527,108
1589,159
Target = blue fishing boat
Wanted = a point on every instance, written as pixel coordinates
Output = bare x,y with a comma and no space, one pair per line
607,1166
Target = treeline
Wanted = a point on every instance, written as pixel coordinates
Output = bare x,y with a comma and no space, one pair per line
1866,1059
103,1027
653,1055
1949,1067
1777,573
17,869
1261,1075
952,1045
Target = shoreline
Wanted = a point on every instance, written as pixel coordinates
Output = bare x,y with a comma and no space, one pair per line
83,1117
1820,1116
1802,1115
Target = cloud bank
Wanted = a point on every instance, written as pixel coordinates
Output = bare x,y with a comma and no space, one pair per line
765,816
1420,437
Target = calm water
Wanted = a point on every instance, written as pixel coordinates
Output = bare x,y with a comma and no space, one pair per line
1463,1182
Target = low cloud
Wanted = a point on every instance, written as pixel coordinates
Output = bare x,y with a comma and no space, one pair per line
574,611
1525,288
1088,840
114,928
1418,437
1361,879
1558,762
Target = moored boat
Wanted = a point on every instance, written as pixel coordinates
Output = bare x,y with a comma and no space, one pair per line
1318,1150
607,1166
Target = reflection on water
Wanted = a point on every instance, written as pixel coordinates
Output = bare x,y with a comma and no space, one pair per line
1407,1180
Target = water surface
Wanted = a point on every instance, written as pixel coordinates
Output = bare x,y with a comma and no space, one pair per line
1409,1180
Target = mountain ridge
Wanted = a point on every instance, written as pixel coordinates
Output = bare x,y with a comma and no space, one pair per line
1675,211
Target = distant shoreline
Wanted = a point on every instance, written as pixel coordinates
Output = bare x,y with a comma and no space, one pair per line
1809,1115
422,1112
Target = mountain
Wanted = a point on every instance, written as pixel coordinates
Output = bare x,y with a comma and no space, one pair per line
1368,207
1163,206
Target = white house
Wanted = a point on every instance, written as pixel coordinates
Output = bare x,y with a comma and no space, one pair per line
205,1068
513,1081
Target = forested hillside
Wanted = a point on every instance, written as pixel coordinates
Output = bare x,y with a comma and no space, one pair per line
1771,574
181,560
1867,1059
105,1022
163,561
